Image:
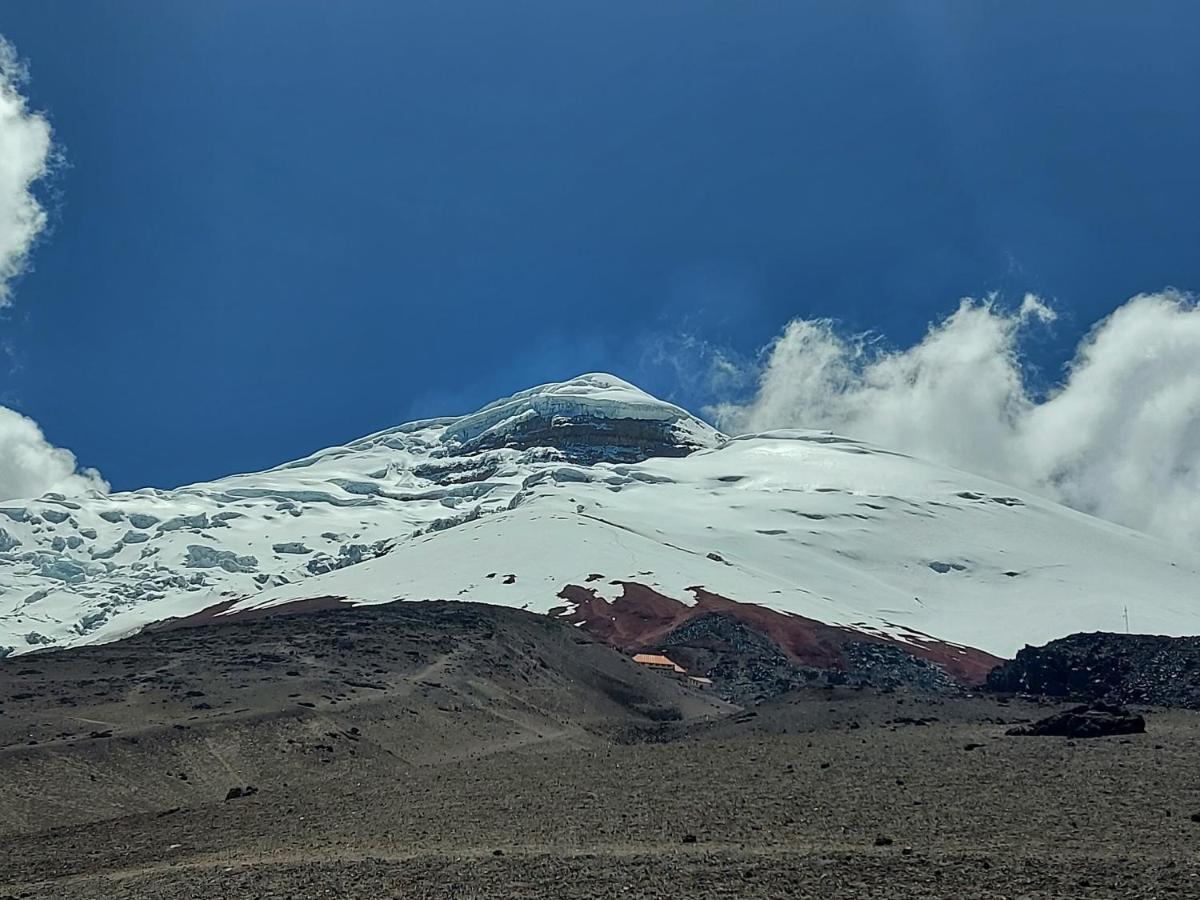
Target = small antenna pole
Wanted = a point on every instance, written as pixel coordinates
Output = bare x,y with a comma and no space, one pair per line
1127,618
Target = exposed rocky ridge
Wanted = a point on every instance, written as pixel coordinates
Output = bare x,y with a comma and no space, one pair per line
591,418
746,664
1123,668
744,661
588,440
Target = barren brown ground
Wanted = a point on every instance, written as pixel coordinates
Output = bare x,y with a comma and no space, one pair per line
447,750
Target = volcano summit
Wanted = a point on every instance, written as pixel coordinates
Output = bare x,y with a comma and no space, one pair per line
596,502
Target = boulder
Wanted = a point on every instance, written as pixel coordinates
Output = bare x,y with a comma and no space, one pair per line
1087,721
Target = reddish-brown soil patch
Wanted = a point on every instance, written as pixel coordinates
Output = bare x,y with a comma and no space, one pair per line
641,617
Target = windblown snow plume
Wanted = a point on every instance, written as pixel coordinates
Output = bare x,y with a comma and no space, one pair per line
1119,437
29,465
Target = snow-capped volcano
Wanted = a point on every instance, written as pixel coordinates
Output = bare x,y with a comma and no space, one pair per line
592,500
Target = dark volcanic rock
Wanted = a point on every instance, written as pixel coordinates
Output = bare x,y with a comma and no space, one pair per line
747,665
1094,720
589,439
1122,668
742,660
888,666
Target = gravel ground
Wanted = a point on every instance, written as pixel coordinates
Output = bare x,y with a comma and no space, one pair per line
500,759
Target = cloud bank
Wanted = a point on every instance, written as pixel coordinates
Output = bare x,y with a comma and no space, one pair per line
1119,437
29,465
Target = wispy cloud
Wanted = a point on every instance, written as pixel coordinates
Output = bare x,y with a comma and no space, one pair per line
1119,437
29,464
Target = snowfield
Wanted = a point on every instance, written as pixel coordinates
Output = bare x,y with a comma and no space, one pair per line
594,483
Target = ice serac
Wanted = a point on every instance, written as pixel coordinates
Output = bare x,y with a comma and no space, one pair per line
625,515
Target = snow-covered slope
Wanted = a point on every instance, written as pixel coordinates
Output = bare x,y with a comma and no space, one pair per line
585,498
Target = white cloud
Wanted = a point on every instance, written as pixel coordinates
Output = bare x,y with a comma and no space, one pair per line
1119,437
29,465
25,156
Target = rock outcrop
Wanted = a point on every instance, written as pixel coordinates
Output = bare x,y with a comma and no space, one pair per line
1120,668
749,665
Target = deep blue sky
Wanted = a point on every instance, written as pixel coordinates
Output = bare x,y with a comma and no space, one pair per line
287,223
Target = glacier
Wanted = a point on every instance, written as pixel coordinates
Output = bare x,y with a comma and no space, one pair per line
575,499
